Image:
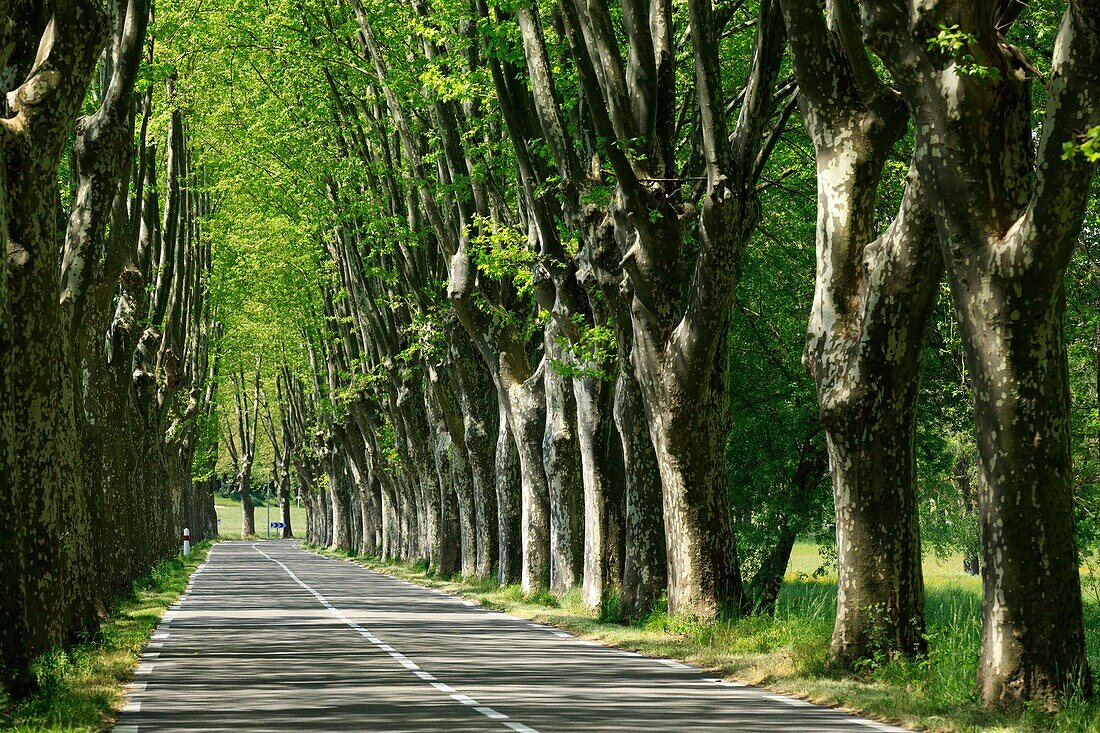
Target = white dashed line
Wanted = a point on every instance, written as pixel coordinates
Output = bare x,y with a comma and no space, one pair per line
131,707
126,729
405,662
144,669
490,713
151,655
136,687
788,700
160,635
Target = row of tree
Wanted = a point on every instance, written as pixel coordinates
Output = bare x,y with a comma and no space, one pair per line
105,327
524,227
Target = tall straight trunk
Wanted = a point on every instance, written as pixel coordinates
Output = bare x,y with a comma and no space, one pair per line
645,571
477,402
687,417
14,654
390,525
467,515
968,505
562,465
527,418
248,509
372,518
450,540
1032,636
338,496
603,513
508,492
286,532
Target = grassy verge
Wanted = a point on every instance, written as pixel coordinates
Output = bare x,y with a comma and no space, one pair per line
82,688
786,653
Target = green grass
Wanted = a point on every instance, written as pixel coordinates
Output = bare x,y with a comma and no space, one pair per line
81,689
787,653
230,513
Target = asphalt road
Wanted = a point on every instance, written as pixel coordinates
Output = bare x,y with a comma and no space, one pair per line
269,637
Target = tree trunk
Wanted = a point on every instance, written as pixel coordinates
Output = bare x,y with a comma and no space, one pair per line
562,467
645,572
687,419
508,496
1032,635
602,503
527,416
248,510
283,469
968,505
478,405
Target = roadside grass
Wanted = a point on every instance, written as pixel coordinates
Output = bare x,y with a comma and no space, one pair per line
786,653
230,515
82,688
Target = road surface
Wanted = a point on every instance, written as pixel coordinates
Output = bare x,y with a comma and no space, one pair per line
269,637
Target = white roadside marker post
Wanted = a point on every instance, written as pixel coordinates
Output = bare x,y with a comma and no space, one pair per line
186,542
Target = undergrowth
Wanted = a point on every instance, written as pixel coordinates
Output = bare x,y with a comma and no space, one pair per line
79,689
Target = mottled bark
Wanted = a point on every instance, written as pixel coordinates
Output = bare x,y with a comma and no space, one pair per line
645,569
477,402
14,653
506,460
866,334
1008,217
527,418
40,116
562,466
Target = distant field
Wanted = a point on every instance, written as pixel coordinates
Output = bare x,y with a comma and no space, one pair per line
229,519
805,560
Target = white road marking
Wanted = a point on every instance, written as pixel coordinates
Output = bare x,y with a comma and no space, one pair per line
562,635
468,603
126,729
405,661
136,687
788,700
586,642
154,645
144,669
160,635
131,707
151,655
490,713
